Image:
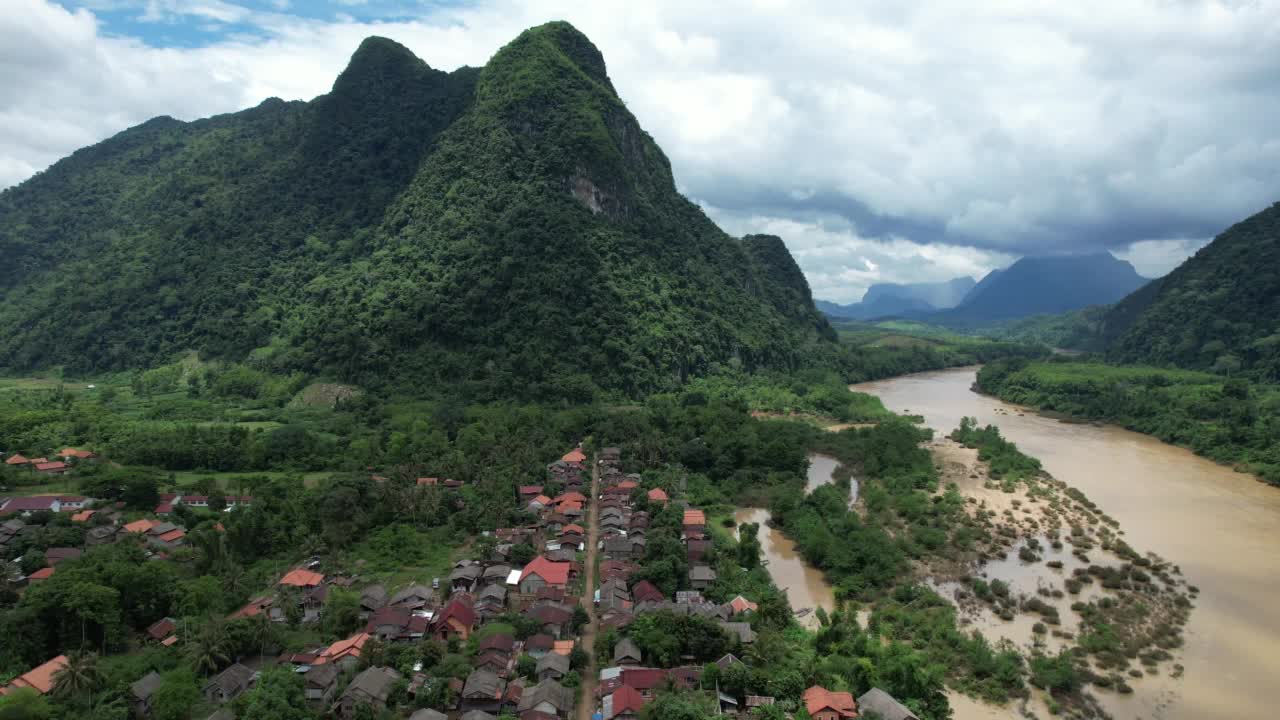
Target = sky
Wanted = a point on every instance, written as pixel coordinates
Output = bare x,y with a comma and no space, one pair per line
883,140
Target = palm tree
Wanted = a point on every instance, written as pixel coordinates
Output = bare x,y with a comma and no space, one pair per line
208,648
80,676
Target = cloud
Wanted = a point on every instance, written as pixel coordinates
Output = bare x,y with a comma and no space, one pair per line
1154,258
914,136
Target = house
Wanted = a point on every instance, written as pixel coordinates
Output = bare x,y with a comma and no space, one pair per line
617,568
624,703
229,684
823,704
320,682
455,620
701,577
694,519
254,607
496,573
161,629
538,502
83,516
428,714
55,555
372,687
51,467
696,551
549,697
42,574
476,715
623,548
740,605
542,572
101,535
17,460
503,643
142,691
646,681
414,596
884,706
70,452
464,577
645,591
483,691
658,495
740,630
539,645
613,595
626,653
555,621
344,653
493,661
302,578
373,598
575,457
35,503
755,701
552,666
39,678
389,623
492,601
142,527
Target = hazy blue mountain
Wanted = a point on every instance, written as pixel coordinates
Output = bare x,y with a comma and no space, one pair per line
1047,285
883,299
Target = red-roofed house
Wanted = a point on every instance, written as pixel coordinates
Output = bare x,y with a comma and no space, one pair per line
33,504
694,519
253,608
83,516
16,460
195,500
164,509
428,482
455,619
625,703
39,679
54,467
302,578
571,497
645,591
528,492
741,605
575,456
77,454
41,574
658,495
824,704
541,572
645,680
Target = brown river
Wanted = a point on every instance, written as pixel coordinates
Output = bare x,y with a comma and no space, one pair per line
1219,526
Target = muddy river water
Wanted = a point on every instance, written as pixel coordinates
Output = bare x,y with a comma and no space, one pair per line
1221,527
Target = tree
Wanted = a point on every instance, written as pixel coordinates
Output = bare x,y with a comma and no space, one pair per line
680,706
278,696
207,647
341,612
526,666
79,678
24,704
32,560
177,695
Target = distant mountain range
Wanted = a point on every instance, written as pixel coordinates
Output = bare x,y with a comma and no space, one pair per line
883,299
1043,285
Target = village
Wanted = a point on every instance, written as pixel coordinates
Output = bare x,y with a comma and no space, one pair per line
547,639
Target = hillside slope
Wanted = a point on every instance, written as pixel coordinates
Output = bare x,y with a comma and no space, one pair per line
1218,310
885,299
511,229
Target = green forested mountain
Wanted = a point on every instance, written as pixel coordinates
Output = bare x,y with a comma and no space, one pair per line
1219,310
510,228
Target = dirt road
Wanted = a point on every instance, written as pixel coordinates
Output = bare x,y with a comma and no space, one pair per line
590,674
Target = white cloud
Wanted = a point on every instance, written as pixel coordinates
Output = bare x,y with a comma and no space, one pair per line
1155,258
941,127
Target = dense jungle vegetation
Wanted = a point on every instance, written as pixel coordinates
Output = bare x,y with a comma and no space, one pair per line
1231,420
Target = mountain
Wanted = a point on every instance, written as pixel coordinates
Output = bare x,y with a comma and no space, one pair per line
1047,285
883,299
1218,310
510,229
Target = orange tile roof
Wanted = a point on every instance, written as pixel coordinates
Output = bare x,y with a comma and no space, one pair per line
658,495
741,604
300,577
83,516
554,573
253,608
694,517
541,500
575,456
428,481
818,698
173,535
628,484
140,526
41,574
562,647
169,641
40,679
351,646
17,459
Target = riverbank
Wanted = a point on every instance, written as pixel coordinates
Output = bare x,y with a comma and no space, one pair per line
1217,526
